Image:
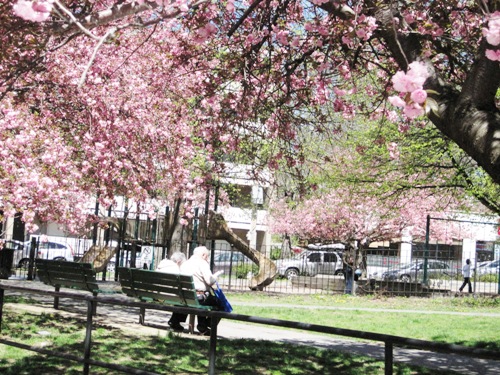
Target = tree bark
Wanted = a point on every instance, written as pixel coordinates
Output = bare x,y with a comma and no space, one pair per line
219,230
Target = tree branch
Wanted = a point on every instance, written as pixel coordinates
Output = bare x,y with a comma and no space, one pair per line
238,23
94,54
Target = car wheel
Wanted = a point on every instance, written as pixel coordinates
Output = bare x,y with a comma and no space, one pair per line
339,272
24,263
406,278
291,272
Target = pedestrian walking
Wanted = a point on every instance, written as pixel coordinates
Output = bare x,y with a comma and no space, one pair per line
466,275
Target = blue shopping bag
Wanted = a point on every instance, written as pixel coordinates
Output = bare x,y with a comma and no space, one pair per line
222,301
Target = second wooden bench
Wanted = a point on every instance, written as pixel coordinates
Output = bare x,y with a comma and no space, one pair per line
167,288
73,275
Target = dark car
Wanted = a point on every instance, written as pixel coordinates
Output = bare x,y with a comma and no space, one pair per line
415,271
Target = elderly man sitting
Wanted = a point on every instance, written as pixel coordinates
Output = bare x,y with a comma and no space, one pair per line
197,266
173,265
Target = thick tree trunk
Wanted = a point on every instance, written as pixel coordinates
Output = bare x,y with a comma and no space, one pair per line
219,230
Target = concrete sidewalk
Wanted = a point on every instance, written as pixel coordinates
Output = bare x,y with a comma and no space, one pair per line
127,318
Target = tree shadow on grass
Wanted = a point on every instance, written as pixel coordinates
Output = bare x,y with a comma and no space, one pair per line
169,353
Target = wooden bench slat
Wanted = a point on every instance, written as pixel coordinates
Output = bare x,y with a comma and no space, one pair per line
54,264
73,275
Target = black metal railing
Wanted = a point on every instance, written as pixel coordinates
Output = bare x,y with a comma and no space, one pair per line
389,340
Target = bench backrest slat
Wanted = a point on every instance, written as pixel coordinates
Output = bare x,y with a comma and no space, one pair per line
174,289
67,274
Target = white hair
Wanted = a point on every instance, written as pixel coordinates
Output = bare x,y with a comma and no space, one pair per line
178,257
200,251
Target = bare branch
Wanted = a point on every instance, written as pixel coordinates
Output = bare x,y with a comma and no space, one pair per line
101,41
75,21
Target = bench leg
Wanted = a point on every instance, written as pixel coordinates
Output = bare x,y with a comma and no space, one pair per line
142,315
94,303
191,323
56,298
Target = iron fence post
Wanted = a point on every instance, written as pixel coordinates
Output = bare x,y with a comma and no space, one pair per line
213,345
88,338
388,358
426,251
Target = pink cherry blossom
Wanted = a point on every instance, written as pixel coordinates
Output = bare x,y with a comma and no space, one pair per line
148,111
37,10
493,55
413,110
397,101
419,96
492,32
412,80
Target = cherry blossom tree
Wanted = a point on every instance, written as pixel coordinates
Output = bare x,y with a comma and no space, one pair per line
347,217
147,98
358,219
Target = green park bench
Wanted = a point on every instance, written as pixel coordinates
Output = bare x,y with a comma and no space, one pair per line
159,287
58,273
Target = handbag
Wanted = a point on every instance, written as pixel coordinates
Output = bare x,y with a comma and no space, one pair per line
222,301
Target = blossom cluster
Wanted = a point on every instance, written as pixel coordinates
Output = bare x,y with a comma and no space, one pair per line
36,11
410,85
492,35
39,10
357,216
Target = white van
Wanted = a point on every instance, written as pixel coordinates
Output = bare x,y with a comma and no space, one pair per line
47,249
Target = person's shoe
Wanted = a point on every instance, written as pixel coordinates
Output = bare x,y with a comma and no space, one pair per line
176,327
205,332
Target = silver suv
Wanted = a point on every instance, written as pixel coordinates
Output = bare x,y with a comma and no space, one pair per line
415,271
311,263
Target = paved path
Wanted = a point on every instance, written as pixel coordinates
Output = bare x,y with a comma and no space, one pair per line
127,318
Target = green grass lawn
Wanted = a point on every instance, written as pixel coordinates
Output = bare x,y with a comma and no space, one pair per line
447,320
168,353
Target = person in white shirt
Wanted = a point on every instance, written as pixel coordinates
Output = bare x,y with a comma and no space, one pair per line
197,266
173,265
466,275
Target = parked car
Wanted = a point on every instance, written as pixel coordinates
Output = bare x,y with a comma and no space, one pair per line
311,263
227,260
415,271
492,267
46,250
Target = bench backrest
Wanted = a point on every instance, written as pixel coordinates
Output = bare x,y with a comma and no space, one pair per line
169,288
67,274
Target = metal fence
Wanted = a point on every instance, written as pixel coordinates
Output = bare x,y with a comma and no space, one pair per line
389,341
304,271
